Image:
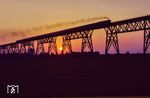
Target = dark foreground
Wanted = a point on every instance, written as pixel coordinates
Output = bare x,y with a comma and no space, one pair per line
95,75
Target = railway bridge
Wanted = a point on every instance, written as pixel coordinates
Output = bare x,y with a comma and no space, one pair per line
112,29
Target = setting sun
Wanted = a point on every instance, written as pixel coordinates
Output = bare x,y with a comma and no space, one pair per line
60,48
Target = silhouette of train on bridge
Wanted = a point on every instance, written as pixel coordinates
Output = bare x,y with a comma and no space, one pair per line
112,29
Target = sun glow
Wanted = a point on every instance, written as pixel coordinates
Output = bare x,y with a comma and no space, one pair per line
60,48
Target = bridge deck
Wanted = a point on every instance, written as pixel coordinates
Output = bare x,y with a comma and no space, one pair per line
98,25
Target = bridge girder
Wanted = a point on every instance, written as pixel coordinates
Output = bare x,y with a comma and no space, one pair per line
115,28
112,31
123,27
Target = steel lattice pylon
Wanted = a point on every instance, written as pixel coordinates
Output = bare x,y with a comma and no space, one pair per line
52,48
16,48
87,40
40,47
111,40
22,48
137,24
1,51
6,51
10,49
66,45
146,40
31,49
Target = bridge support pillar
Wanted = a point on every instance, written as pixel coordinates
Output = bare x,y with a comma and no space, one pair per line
22,48
31,49
6,50
40,47
52,48
146,40
10,49
1,51
16,48
66,44
111,40
87,41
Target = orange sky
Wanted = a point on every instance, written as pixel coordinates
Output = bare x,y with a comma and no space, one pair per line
18,16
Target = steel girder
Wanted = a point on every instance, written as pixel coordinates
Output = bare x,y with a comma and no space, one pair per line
112,30
78,35
123,27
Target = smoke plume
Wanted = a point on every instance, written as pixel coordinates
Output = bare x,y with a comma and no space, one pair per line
11,35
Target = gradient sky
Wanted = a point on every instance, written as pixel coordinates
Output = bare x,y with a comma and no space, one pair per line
25,14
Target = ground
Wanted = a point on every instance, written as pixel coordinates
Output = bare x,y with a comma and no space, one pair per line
76,75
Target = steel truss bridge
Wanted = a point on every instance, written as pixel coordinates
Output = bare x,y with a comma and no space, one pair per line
112,29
